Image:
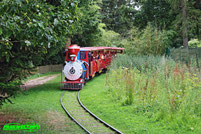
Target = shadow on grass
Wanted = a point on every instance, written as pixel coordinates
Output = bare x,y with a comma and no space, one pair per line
41,105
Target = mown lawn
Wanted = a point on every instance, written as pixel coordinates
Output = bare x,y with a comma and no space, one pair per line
40,105
96,98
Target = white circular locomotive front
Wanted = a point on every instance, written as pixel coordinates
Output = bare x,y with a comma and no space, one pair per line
73,70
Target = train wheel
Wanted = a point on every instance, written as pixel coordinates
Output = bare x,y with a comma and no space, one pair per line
85,81
104,70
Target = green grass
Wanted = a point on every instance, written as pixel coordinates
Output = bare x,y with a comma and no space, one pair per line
83,117
42,105
129,120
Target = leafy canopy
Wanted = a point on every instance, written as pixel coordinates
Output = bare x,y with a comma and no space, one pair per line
28,30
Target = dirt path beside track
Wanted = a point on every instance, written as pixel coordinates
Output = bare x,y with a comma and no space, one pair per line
37,81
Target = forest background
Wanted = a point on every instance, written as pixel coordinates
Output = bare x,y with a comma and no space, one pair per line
34,32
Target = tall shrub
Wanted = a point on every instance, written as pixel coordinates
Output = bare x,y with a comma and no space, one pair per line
28,30
150,41
107,38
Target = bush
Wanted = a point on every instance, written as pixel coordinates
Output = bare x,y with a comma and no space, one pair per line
149,41
28,30
107,38
194,43
8,89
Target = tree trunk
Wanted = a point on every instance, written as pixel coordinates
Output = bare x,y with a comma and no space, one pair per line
184,24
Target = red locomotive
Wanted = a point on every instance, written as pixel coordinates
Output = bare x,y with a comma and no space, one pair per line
82,63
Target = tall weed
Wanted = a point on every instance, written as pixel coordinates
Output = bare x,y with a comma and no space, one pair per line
157,86
148,41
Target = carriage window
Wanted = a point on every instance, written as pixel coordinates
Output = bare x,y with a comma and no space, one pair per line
90,56
82,55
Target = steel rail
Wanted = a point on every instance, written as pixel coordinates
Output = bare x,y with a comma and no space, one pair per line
106,124
71,115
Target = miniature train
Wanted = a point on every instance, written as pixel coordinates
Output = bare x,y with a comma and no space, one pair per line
82,63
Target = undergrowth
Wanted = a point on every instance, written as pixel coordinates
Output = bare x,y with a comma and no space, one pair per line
159,88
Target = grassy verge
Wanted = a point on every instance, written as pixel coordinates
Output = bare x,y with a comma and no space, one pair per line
127,119
40,105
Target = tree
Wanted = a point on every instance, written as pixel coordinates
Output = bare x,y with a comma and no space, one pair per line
86,28
179,8
28,30
187,18
194,12
156,12
184,24
118,15
149,41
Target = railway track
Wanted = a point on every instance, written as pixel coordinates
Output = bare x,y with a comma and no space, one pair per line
88,121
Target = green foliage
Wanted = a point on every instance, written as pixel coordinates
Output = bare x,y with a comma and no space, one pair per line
118,15
121,16
8,89
186,24
188,56
28,31
135,118
168,38
86,28
107,38
155,12
194,19
139,62
168,93
194,43
149,41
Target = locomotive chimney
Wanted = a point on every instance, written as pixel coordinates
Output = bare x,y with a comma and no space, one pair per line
73,51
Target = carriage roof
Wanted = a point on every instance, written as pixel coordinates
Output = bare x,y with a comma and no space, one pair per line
100,48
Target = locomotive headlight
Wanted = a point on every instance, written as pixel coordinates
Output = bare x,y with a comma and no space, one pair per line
81,80
72,57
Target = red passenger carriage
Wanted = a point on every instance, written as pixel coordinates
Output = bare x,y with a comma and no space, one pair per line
83,63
